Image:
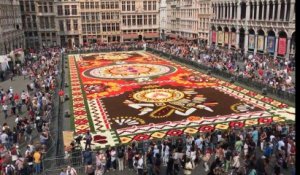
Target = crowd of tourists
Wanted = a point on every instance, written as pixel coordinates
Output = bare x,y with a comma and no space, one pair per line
25,140
109,47
257,150
274,72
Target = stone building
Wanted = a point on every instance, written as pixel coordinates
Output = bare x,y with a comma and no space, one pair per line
11,31
255,26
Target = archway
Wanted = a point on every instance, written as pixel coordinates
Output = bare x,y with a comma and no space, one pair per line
220,36
232,38
251,40
226,36
260,41
271,42
282,43
242,39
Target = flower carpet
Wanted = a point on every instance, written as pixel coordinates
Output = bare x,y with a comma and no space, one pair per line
126,96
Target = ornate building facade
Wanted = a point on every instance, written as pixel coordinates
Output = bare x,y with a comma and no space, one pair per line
256,26
183,19
11,31
140,20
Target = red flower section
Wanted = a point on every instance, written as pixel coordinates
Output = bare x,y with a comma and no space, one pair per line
141,137
174,132
252,94
81,121
282,105
267,100
236,124
100,139
238,88
77,99
265,120
79,112
78,105
207,128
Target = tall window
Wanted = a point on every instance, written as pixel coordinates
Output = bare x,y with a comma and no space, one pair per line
52,22
117,26
102,5
149,5
68,24
139,20
59,10
32,6
50,7
128,5
124,20
42,22
154,5
61,25
133,6
116,5
45,7
150,19
145,19
82,5
67,10
97,5
133,20
104,27
74,10
129,20
154,19
92,5
145,5
87,5
123,6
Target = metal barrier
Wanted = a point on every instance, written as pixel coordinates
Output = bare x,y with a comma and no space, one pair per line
103,50
290,97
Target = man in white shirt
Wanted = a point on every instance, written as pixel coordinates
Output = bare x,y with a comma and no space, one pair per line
5,108
280,144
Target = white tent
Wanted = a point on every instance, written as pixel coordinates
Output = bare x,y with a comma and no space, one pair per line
4,62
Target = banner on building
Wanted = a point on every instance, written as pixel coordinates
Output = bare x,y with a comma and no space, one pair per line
251,42
232,38
214,37
271,44
260,43
281,46
220,37
226,38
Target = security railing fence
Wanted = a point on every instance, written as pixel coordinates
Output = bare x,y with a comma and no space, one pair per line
290,97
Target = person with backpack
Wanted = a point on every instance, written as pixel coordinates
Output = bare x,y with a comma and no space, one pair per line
10,169
120,159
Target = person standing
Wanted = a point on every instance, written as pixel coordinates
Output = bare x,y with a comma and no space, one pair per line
4,108
61,94
88,140
37,157
113,155
121,159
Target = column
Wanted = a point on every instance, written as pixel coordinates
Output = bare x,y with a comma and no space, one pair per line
273,12
276,46
268,10
292,6
229,39
246,41
263,11
247,11
238,11
217,9
230,11
223,11
279,11
266,44
237,37
257,10
255,44
285,11
287,54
